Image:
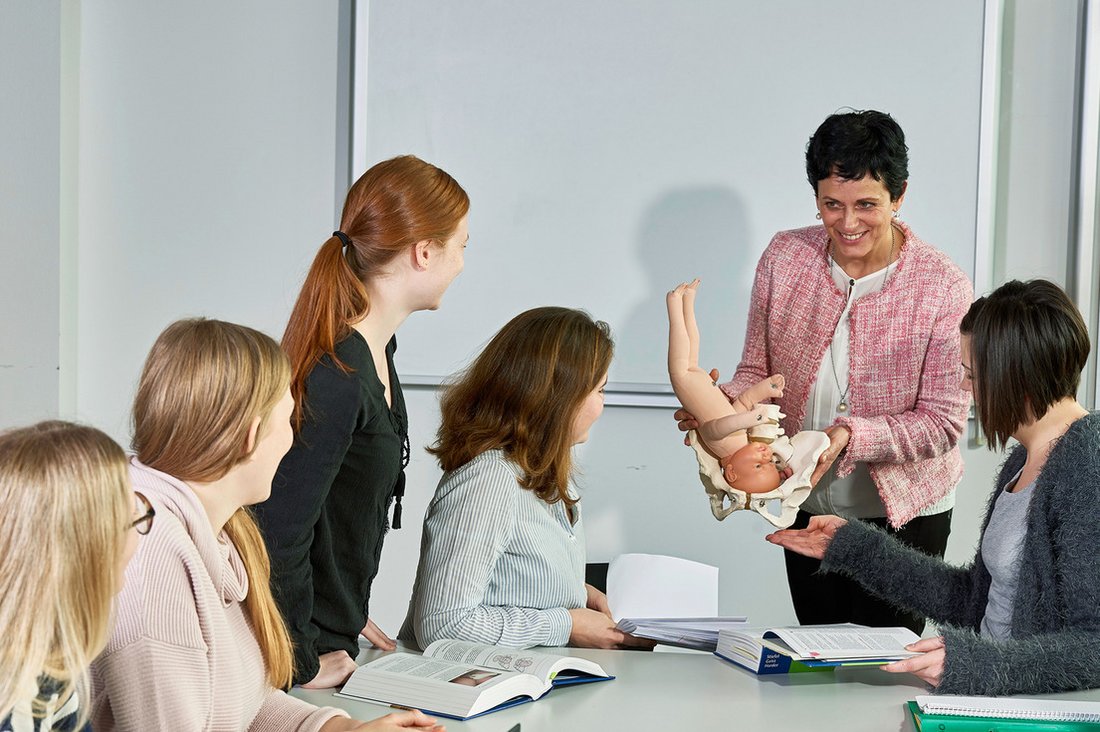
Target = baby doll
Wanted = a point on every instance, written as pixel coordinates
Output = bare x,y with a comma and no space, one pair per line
740,446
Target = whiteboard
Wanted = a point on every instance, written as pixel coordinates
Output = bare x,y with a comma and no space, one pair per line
614,149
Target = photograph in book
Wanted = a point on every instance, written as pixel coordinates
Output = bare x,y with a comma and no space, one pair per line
460,680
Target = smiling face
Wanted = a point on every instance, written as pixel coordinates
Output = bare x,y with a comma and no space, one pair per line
751,469
857,215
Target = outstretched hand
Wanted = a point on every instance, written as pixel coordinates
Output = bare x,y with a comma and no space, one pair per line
928,666
812,541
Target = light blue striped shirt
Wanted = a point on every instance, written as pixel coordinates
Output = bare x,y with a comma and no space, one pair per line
497,563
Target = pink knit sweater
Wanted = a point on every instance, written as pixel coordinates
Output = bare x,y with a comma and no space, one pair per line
907,409
182,655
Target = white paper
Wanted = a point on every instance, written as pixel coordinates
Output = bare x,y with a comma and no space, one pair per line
655,586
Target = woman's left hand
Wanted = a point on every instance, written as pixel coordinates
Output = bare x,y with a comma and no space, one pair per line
377,638
838,440
928,666
597,601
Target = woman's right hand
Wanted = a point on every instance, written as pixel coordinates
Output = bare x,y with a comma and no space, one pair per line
413,719
336,667
593,629
812,541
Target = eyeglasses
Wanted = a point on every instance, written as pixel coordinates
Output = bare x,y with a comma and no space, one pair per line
145,523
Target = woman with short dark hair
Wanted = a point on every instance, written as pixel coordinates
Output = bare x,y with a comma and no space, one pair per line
1024,616
862,319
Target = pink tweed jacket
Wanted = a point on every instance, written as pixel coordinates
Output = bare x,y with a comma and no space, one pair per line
907,409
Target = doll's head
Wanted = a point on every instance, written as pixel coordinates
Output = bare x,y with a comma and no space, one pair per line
751,469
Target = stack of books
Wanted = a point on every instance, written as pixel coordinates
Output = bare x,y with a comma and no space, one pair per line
700,634
989,714
813,647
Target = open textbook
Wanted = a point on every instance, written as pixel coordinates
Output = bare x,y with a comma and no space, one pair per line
771,650
460,680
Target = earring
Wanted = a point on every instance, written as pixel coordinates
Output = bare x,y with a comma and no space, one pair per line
895,213
818,215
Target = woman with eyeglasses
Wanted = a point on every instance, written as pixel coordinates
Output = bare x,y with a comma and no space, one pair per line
70,525
198,642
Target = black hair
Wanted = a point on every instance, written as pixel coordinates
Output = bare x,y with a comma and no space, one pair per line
1028,346
854,144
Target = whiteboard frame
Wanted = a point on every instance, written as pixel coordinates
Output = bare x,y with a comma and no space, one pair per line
630,394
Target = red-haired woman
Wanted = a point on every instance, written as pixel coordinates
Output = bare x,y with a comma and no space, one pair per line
400,244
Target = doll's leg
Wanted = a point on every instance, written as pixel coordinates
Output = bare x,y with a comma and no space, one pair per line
689,323
679,340
769,388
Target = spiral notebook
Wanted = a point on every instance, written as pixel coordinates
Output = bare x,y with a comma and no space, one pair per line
1005,708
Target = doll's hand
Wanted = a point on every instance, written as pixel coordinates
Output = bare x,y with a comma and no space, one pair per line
812,541
928,667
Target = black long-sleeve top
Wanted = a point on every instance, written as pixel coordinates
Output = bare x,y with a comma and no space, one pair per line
328,511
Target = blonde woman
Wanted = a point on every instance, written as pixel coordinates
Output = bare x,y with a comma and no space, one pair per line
199,643
68,483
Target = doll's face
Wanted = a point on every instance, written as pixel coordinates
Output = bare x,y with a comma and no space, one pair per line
752,470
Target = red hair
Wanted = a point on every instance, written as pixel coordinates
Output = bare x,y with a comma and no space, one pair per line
394,205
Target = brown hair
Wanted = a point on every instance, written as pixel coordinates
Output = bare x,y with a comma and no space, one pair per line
1028,345
204,383
66,501
394,205
522,394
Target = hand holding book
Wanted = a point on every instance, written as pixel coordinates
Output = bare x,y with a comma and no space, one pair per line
928,666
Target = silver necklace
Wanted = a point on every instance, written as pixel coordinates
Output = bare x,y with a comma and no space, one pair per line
842,407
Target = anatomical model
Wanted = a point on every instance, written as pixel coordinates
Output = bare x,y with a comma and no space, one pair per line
745,460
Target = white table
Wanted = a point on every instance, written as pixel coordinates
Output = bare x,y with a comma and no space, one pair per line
676,691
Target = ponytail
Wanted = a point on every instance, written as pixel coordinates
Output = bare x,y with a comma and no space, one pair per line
394,205
267,624
332,298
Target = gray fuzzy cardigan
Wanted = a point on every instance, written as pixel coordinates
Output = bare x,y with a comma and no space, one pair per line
1055,644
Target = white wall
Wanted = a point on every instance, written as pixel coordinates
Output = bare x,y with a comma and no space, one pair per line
207,173
30,203
207,134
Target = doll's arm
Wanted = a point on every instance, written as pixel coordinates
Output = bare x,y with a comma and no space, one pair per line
723,427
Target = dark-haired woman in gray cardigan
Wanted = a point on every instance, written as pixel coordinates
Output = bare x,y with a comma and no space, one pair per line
1024,617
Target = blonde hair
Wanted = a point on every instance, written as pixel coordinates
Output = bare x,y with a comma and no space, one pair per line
66,501
204,383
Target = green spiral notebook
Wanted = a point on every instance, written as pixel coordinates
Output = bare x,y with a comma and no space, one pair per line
929,722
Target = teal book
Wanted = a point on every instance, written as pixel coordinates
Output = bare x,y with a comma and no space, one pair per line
925,722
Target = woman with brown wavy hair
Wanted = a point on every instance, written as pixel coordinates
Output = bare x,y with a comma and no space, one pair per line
198,642
399,246
502,556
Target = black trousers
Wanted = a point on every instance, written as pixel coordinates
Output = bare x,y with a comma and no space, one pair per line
821,598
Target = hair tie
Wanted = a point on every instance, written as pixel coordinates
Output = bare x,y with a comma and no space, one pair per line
345,240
